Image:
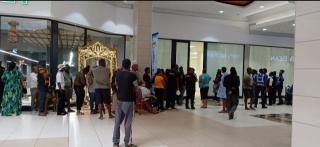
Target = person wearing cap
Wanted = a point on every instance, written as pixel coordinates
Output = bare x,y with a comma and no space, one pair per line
60,90
68,86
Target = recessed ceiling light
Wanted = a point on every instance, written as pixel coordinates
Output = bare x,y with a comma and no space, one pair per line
294,24
261,7
221,12
264,29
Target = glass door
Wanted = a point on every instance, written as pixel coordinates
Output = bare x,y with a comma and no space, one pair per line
182,51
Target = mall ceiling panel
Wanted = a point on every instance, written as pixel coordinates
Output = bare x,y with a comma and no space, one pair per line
238,3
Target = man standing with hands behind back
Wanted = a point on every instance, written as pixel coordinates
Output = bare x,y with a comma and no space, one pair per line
126,83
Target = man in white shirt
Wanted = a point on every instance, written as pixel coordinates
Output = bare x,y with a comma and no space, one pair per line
60,90
34,88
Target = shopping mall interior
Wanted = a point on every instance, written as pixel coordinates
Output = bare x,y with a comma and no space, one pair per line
276,35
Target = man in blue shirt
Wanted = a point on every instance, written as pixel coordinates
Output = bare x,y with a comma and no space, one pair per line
204,81
261,88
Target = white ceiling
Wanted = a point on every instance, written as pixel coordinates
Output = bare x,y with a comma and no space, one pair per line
276,16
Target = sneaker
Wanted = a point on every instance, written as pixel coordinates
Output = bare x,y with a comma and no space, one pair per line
70,110
192,108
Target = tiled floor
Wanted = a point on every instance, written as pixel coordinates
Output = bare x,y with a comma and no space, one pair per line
173,128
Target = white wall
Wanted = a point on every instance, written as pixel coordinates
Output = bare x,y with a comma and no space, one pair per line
105,17
306,100
34,8
97,15
202,29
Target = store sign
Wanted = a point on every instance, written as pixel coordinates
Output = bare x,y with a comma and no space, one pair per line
23,2
282,58
154,60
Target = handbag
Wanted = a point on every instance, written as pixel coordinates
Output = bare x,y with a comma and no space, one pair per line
24,90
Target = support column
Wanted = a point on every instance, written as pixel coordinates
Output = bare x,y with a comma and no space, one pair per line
306,99
142,33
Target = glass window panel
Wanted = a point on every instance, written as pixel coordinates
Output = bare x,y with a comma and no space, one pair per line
130,52
274,59
224,55
26,42
196,59
182,54
70,38
114,41
164,54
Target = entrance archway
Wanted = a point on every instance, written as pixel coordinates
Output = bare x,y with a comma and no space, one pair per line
93,52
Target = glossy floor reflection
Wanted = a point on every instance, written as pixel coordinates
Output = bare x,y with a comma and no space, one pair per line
188,128
173,128
31,130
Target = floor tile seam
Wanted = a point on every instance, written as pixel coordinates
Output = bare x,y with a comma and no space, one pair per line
42,128
10,134
95,130
235,127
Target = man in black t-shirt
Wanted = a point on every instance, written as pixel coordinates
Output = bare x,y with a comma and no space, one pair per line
126,83
147,78
173,86
191,80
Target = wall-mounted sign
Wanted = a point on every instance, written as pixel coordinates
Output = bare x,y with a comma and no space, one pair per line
282,58
23,2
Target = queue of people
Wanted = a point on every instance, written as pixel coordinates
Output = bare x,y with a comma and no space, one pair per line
162,91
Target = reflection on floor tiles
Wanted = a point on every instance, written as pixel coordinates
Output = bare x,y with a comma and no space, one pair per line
281,118
172,128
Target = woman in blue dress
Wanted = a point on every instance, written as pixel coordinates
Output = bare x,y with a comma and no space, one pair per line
222,91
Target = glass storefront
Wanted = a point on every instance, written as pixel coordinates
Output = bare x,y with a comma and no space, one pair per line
70,38
113,41
224,55
274,59
196,59
164,53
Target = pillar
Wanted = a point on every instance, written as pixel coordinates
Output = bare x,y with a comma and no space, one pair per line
142,34
306,99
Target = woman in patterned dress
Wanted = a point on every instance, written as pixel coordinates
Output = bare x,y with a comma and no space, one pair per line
12,91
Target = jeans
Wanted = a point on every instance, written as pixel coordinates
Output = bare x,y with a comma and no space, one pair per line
171,97
125,111
34,98
279,92
80,96
69,92
61,101
233,102
181,96
93,103
42,99
190,96
159,93
261,90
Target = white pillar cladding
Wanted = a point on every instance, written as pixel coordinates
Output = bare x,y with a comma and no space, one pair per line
306,100
142,33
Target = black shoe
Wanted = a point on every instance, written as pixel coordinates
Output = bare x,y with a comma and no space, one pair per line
70,110
270,104
193,108
280,104
231,115
173,107
62,113
264,107
187,108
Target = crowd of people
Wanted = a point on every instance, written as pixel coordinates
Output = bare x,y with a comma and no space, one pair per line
123,90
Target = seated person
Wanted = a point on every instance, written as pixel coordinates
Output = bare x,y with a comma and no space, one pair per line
148,97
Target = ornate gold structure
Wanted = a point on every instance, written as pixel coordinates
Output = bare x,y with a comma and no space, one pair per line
97,50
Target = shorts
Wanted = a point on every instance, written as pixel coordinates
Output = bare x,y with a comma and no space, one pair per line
247,93
204,93
103,96
69,92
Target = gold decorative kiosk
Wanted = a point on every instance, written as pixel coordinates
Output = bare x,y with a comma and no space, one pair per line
90,54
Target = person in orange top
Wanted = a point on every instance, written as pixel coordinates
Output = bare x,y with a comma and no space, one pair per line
160,85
